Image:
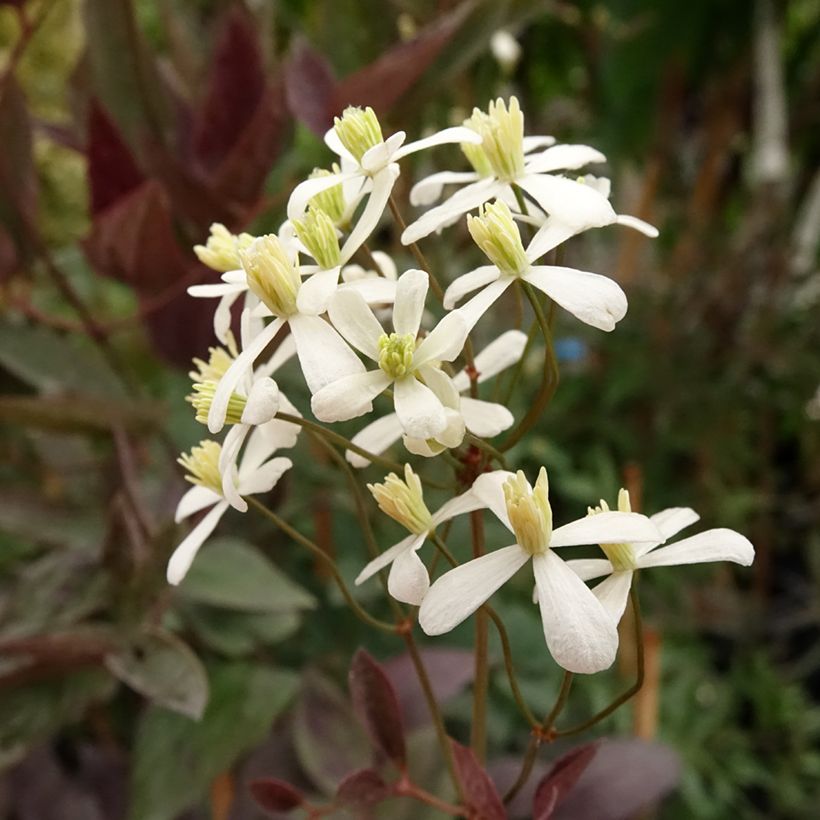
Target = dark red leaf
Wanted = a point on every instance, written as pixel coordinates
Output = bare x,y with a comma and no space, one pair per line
310,87
479,791
381,83
626,776
561,778
133,240
276,795
235,87
375,701
449,671
240,178
362,789
112,169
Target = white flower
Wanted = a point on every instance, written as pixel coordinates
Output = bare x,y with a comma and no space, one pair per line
623,558
403,361
403,501
594,299
370,161
482,418
501,162
506,49
257,473
580,634
273,277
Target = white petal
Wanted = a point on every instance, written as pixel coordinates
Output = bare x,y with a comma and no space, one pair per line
638,224
408,580
549,236
458,133
266,477
574,203
468,282
374,290
674,519
420,411
464,503
594,299
380,156
212,291
500,354
459,203
349,397
485,418
489,487
258,449
531,143
377,201
323,354
222,316
283,353
183,556
411,291
473,310
460,592
428,190
444,342
196,499
580,634
235,373
355,321
712,545
563,156
235,277
305,191
605,528
613,592
411,542
315,292
332,141
227,465
263,402
588,568
375,438
442,385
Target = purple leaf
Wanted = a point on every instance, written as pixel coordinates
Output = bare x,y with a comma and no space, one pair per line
375,701
449,671
362,789
310,87
561,778
275,795
479,791
625,776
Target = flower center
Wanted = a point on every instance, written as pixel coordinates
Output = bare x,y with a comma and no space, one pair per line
502,140
359,130
203,397
495,232
331,200
219,360
202,465
318,235
403,501
621,556
272,274
221,251
396,353
529,511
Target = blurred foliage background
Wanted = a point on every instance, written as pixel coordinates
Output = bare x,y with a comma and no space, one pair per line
128,126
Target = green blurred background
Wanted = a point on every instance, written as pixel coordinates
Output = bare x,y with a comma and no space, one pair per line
128,127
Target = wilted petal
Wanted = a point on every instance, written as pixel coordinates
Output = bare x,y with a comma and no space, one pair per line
579,633
613,592
408,580
605,528
183,556
349,397
323,354
460,592
594,299
712,545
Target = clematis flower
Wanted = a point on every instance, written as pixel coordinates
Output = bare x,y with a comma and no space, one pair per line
502,161
623,559
273,277
594,299
257,473
369,160
579,632
403,361
403,501
482,418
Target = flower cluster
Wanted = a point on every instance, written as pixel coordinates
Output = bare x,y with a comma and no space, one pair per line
358,330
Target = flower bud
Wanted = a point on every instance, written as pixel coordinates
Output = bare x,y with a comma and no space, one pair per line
403,501
221,251
495,232
331,200
272,275
502,139
359,130
529,512
202,465
318,234
621,556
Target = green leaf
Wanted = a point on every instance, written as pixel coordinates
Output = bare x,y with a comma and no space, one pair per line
164,669
231,573
175,759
